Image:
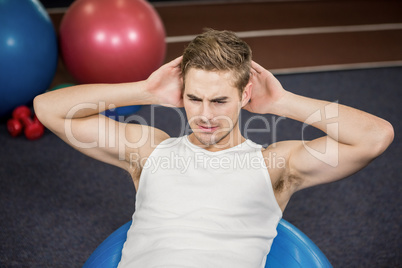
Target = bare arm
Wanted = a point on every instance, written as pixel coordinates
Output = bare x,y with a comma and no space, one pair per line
354,138
73,114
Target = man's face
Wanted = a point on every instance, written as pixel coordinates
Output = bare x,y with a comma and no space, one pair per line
212,105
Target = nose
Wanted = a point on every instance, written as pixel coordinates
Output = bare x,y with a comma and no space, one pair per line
207,112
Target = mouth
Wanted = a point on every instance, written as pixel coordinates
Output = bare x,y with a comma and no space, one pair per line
208,128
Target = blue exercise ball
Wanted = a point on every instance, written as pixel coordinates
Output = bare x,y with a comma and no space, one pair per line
28,52
119,112
291,248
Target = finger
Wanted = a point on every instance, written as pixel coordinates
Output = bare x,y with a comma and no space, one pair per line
253,72
176,61
258,68
253,75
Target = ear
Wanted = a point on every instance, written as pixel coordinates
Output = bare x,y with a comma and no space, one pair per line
246,95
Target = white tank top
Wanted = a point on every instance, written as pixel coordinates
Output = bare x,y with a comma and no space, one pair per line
196,208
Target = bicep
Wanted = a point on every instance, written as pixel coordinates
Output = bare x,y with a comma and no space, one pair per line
324,160
105,139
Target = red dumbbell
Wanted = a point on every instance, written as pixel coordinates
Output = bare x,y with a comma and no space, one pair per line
14,127
22,118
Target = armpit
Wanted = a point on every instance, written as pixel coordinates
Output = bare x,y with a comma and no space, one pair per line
286,182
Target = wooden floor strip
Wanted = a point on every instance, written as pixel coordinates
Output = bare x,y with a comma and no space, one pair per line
300,31
338,67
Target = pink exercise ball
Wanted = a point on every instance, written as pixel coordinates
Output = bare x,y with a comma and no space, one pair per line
112,41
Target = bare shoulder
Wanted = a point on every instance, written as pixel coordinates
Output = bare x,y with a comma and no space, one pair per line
140,141
283,179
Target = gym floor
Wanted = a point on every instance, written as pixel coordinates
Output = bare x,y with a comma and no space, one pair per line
58,205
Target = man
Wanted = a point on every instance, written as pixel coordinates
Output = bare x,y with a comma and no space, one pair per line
220,204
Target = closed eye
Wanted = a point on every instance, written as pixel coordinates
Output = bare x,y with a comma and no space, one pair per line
218,102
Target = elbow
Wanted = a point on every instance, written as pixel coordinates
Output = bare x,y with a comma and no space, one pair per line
383,138
39,105
388,135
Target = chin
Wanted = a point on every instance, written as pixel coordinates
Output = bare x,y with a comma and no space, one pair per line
209,139
206,139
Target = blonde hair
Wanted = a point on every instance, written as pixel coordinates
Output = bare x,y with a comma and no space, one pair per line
219,51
